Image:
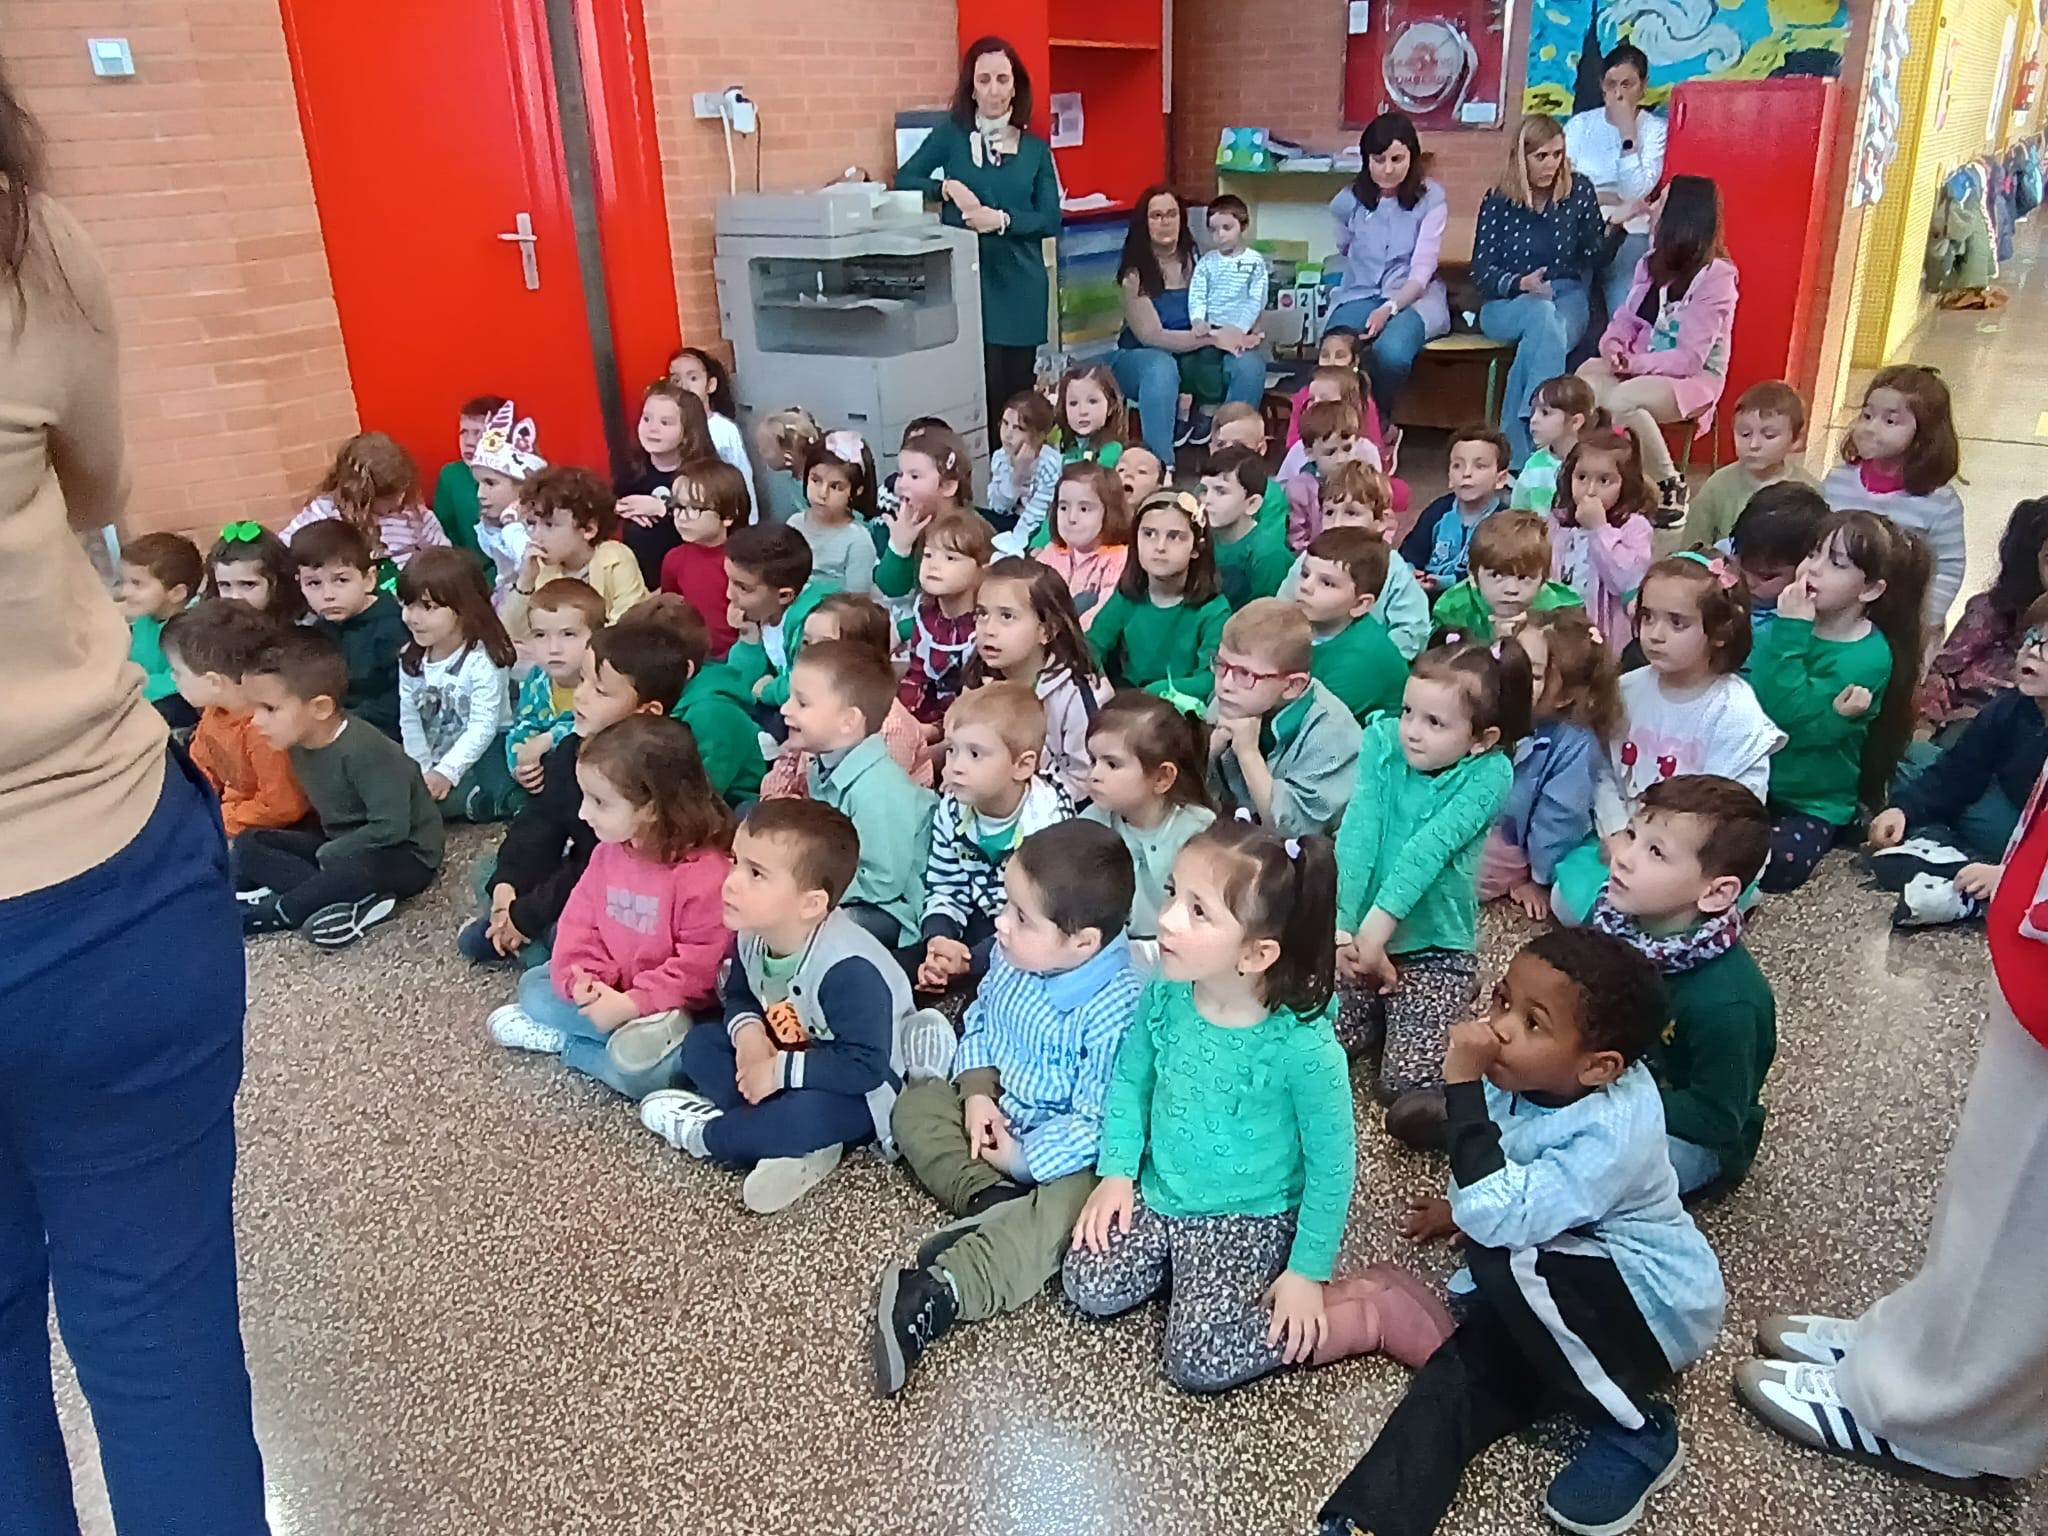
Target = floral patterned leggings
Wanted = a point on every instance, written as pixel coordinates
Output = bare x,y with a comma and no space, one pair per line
1433,990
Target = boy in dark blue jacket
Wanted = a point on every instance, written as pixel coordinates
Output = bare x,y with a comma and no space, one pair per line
1941,840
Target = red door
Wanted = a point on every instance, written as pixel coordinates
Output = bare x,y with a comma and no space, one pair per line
434,141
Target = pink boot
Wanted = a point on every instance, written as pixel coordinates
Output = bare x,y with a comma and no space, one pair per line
1383,1309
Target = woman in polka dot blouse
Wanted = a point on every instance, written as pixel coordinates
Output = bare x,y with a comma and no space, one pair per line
1540,236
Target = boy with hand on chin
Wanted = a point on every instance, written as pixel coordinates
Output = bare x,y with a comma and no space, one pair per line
994,799
1588,1283
1282,746
839,695
1351,656
809,1056
1009,1145
1695,843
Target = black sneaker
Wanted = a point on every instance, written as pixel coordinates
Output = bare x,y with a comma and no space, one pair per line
916,1308
264,917
340,925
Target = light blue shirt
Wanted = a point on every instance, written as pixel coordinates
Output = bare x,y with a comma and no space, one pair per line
1052,1040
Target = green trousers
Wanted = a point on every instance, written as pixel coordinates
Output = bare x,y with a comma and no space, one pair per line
1004,1262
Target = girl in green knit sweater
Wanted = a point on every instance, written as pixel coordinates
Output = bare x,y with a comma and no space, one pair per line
1160,628
1836,670
1431,784
1228,1153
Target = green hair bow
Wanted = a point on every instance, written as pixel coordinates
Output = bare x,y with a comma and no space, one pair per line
242,533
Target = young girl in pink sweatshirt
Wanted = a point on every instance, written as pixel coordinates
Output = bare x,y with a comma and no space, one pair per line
638,947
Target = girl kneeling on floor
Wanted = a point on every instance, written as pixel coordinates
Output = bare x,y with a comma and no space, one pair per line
1241,1228
638,947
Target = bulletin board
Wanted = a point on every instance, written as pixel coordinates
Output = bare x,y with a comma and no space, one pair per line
1443,62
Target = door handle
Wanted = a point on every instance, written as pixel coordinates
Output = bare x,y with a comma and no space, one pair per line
522,232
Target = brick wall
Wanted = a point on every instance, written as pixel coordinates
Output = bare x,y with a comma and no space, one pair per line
1281,66
192,178
829,80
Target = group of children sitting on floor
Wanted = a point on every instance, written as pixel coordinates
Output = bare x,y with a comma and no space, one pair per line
1176,798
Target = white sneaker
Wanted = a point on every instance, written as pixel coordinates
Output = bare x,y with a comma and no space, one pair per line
1806,1337
1928,901
929,1046
779,1182
512,1027
1804,1403
679,1118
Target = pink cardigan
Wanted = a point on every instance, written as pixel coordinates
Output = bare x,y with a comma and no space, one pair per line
654,931
1694,330
1094,572
1604,566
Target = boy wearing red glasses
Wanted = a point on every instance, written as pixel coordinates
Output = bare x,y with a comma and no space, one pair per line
1282,746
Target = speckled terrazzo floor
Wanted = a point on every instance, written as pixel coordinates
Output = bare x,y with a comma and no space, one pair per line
480,1298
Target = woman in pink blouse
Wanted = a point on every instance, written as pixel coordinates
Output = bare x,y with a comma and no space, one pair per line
1664,355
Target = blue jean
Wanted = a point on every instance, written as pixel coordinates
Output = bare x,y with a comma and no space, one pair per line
1389,357
585,1051
785,1124
1543,331
1150,378
120,1056
1695,1165
1621,271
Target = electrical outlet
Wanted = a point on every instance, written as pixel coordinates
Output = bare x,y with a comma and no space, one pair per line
707,103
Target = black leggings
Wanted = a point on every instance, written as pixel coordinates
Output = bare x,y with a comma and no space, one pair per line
1798,844
1007,372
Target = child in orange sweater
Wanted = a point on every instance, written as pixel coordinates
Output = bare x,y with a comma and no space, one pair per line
208,647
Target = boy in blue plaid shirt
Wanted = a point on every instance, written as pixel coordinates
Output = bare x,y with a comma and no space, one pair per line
1009,1144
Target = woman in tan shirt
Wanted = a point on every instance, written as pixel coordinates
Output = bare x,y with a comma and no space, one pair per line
121,974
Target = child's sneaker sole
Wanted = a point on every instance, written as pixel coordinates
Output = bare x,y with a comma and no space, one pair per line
777,1183
340,925
642,1044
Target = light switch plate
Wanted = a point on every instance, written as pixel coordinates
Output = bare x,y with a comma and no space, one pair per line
110,57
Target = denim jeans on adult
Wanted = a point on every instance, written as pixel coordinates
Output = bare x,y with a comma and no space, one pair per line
1150,379
120,1056
585,1050
1621,271
1390,356
1543,331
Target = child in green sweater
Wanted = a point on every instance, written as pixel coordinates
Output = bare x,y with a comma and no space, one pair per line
1836,671
1768,425
1693,846
160,575
714,704
1241,1229
1252,557
380,838
1342,573
768,583
1510,561
1159,629
1092,416
1431,783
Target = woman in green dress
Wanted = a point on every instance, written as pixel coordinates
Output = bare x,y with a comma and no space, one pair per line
996,178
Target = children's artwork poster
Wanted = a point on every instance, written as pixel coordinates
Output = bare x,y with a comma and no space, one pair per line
1684,40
